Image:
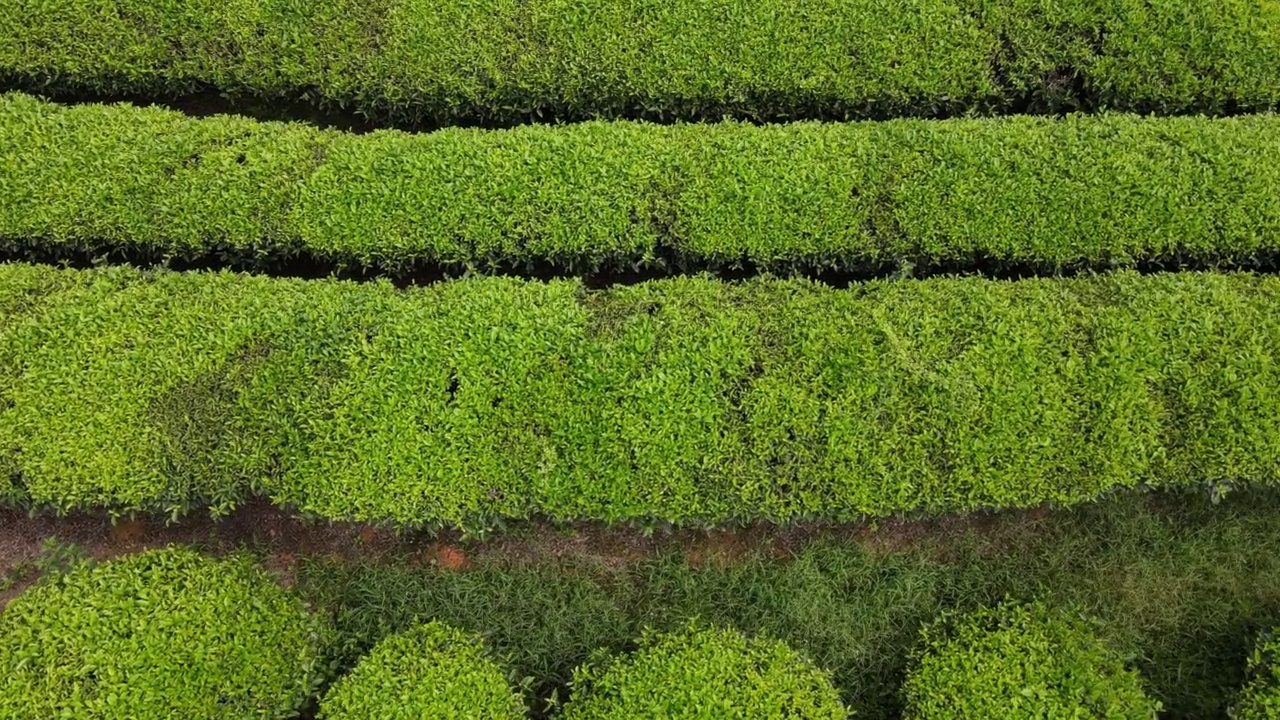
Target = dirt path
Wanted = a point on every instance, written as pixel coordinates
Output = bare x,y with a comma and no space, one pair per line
29,543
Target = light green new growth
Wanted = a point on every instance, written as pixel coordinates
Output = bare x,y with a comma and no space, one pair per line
1021,663
705,674
432,671
155,636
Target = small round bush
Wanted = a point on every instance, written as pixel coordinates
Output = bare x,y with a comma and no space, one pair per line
1021,661
705,674
1261,697
158,635
433,671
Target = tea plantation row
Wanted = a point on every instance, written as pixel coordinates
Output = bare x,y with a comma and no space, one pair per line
687,400
426,60
149,636
1086,190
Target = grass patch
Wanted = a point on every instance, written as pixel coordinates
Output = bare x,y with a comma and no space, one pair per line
1180,584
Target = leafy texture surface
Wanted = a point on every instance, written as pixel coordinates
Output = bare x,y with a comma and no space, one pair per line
1017,661
158,635
1096,191
1261,697
705,674
431,671
687,400
426,60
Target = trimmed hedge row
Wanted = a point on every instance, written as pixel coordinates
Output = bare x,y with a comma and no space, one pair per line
1085,190
705,673
423,60
1022,661
686,400
431,671
159,635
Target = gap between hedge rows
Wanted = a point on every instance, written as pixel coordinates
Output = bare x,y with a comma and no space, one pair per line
309,267
852,601
211,102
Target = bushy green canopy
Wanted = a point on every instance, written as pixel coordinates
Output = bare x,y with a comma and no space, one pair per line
159,635
705,674
433,671
1260,699
1018,661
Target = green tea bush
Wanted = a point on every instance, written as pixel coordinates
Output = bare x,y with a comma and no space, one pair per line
146,177
440,62
1019,661
704,674
181,387
1261,697
431,671
1098,191
1139,55
25,294
161,634
687,400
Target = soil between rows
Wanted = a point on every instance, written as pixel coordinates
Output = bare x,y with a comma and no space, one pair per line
282,540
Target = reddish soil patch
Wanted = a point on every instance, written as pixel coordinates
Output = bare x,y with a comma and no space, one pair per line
128,532
446,556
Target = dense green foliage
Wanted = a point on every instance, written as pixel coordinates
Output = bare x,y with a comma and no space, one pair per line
26,290
432,671
1021,661
158,635
163,365
704,674
687,400
1261,698
1179,583
1086,190
416,60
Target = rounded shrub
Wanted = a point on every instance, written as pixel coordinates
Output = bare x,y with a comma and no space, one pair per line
433,671
705,673
1021,661
1261,697
161,634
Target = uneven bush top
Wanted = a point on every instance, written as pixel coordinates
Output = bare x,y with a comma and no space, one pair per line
687,400
466,60
1094,191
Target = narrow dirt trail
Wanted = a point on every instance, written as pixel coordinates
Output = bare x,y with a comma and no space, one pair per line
27,543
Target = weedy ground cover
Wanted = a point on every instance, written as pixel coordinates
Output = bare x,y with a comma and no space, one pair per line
1181,586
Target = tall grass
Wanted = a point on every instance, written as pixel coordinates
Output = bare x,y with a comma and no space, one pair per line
1179,583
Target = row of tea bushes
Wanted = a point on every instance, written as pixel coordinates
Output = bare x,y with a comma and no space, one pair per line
1096,191
687,400
486,60
168,633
